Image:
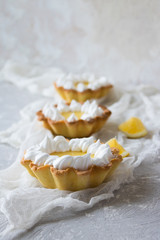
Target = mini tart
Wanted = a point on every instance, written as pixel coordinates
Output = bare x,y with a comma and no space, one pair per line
70,94
70,178
77,128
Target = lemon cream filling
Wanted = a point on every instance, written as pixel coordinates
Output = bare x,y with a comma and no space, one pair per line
67,115
71,153
72,112
81,82
84,83
79,153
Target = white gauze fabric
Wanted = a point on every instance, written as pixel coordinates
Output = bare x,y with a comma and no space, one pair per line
25,202
36,79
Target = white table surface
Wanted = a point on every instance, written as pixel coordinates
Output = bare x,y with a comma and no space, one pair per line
134,212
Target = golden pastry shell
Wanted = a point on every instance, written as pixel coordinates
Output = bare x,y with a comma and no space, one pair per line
76,129
70,94
72,179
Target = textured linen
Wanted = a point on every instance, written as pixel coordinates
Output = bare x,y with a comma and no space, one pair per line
25,202
35,78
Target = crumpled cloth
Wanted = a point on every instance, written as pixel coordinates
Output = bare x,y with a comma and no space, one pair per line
25,202
36,79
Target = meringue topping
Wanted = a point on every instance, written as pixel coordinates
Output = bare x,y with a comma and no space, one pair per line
72,112
79,153
81,82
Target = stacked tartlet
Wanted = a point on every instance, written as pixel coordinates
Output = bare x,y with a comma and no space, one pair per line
78,163
74,119
82,87
71,165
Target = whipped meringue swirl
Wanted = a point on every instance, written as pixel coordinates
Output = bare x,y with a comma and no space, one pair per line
77,81
40,153
90,110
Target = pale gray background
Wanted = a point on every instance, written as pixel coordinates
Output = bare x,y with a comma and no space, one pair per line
116,38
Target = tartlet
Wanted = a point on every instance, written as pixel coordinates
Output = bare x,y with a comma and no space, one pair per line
74,120
71,165
82,87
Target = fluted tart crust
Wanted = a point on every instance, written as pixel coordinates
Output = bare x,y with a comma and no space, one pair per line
70,178
77,128
70,94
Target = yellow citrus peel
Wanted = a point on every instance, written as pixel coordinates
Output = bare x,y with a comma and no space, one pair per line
133,128
113,143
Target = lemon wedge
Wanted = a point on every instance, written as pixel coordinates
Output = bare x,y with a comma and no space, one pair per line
133,128
113,143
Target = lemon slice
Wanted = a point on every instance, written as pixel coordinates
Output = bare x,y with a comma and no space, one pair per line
113,143
133,128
